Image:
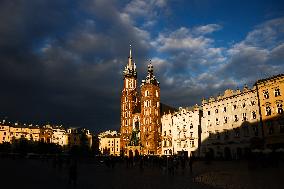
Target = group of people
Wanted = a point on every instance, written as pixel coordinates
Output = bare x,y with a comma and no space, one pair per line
169,164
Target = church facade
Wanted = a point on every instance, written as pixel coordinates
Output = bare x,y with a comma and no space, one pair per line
140,113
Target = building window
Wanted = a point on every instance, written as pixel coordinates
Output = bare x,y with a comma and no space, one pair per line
253,115
244,104
157,94
236,118
252,103
235,106
191,134
266,94
191,126
192,143
208,112
165,133
268,111
279,109
146,93
158,104
210,134
216,111
217,121
277,92
225,119
225,109
244,116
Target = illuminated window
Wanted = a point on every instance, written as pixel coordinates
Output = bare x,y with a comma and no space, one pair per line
277,92
244,116
157,94
279,109
146,93
266,94
236,118
253,115
268,111
225,119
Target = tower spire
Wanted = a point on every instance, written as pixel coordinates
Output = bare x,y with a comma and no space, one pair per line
130,63
130,69
130,55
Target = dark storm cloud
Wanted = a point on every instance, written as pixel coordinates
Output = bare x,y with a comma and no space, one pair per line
61,61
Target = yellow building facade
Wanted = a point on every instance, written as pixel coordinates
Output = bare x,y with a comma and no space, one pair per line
271,99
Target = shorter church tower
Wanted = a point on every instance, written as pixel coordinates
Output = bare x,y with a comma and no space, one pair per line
150,113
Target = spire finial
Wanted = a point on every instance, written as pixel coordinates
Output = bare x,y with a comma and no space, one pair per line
130,54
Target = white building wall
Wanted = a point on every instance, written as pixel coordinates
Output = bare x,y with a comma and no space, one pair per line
184,125
167,132
229,122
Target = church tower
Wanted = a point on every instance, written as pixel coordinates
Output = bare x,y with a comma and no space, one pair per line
128,101
150,113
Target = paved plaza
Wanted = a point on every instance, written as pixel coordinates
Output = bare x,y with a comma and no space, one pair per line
32,174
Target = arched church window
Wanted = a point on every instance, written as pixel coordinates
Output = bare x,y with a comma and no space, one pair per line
146,93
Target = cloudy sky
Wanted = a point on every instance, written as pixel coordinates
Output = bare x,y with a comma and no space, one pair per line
61,61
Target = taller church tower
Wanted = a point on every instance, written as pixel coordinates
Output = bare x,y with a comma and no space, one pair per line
128,101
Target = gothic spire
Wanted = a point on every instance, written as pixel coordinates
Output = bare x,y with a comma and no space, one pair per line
150,79
130,68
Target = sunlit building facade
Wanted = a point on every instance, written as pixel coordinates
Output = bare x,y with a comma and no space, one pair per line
230,124
109,143
271,100
4,132
181,131
140,114
59,136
